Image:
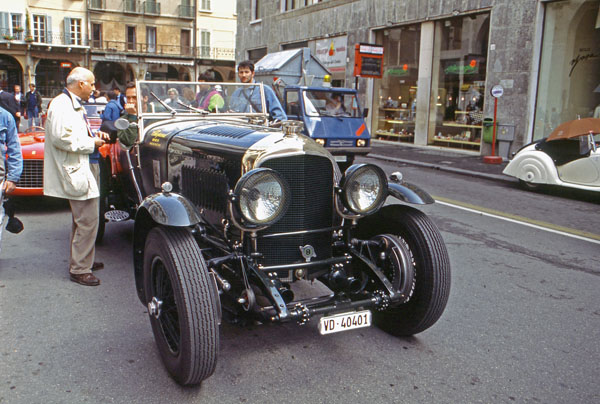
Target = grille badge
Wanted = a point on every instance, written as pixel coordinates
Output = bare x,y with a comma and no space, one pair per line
307,252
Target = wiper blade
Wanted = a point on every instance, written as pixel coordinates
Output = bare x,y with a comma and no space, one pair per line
200,111
164,104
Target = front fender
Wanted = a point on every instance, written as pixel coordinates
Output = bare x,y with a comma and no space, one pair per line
410,193
170,209
533,166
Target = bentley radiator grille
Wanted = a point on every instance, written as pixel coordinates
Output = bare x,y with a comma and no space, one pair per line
196,182
311,182
33,174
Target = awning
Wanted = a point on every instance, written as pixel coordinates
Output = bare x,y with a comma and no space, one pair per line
170,62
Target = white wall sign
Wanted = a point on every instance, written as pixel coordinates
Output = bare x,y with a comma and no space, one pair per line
332,52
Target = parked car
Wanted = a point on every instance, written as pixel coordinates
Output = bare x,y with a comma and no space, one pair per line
232,217
568,157
31,182
32,139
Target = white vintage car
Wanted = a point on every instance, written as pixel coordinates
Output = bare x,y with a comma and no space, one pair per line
563,159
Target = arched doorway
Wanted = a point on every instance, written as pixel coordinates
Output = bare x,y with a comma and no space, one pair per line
51,75
108,75
11,73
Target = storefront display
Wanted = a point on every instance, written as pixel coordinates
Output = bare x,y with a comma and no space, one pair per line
458,82
569,80
397,91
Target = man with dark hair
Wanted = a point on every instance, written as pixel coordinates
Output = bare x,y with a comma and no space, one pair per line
113,109
208,98
33,105
8,102
252,97
120,96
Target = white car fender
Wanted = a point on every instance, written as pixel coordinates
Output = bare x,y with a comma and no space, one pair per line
533,166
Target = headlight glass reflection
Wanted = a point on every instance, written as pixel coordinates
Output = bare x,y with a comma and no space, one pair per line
263,196
365,188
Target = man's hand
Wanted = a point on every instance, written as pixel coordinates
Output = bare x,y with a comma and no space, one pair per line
103,135
130,108
9,186
99,142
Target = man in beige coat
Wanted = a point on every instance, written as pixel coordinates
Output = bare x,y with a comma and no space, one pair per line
68,173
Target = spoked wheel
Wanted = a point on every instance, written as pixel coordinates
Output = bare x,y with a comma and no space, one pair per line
431,266
182,304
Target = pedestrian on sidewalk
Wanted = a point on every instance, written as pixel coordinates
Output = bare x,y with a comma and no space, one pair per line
33,104
69,174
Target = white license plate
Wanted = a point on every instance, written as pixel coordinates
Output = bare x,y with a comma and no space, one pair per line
340,158
344,322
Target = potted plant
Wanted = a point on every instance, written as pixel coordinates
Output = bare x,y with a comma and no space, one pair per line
29,39
19,29
8,37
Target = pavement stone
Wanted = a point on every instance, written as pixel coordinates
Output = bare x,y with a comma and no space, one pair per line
458,162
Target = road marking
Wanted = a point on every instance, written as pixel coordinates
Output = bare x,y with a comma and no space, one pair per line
536,224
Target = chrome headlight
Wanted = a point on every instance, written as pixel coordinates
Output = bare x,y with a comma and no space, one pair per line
364,188
262,196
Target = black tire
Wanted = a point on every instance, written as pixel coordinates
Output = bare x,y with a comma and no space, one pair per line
530,186
187,328
432,268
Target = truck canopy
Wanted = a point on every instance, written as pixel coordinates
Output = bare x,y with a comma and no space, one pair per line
292,67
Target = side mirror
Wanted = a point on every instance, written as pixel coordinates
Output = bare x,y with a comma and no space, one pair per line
121,124
365,112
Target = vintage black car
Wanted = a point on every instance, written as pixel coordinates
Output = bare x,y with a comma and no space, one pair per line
233,217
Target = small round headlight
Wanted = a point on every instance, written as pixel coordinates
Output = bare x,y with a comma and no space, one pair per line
364,188
263,196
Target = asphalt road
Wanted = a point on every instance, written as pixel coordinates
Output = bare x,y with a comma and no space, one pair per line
522,324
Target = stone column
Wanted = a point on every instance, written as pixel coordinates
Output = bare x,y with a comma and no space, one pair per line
424,83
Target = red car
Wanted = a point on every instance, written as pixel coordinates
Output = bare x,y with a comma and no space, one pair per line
32,146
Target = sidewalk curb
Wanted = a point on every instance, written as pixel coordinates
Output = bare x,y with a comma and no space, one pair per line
454,170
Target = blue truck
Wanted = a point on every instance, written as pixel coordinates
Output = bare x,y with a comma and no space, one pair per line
331,115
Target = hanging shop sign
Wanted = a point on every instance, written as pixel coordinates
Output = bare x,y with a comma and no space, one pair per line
332,53
368,60
66,64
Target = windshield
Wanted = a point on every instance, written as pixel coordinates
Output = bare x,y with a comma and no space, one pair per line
331,103
194,98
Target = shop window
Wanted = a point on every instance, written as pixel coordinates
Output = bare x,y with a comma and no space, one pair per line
458,82
396,93
569,79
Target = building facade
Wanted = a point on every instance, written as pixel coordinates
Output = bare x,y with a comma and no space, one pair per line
119,40
442,58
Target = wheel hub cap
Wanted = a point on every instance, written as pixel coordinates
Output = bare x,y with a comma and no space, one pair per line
154,307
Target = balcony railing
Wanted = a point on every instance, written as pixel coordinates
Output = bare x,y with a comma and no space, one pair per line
49,38
132,6
203,52
186,11
151,7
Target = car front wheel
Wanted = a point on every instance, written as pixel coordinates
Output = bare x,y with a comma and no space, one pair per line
182,304
431,268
